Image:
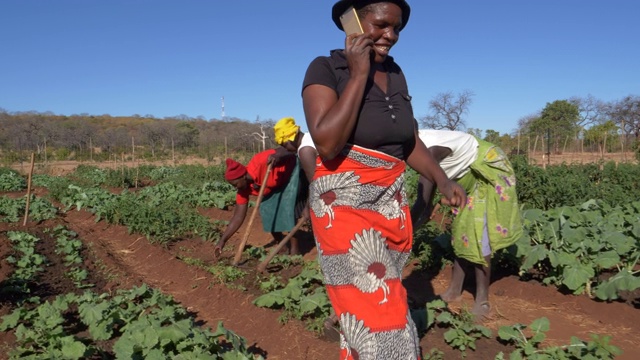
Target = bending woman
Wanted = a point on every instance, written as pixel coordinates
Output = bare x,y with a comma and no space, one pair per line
491,220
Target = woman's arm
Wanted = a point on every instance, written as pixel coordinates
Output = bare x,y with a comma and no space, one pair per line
239,213
425,164
307,156
330,119
422,208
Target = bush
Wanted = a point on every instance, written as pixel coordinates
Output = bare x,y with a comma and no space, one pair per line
636,150
11,180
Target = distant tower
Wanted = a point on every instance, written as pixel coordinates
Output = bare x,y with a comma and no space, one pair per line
223,116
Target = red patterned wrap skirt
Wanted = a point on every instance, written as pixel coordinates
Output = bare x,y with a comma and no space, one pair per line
362,226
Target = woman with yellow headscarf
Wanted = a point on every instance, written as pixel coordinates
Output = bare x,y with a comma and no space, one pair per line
289,136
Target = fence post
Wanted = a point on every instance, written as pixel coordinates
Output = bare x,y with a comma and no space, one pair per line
26,210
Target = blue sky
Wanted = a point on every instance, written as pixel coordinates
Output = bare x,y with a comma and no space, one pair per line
166,58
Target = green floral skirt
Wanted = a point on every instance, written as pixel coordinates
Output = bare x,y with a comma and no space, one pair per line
491,196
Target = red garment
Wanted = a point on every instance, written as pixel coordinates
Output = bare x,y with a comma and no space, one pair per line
257,167
361,222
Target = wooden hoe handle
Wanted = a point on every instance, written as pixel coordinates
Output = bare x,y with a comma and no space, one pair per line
263,265
236,259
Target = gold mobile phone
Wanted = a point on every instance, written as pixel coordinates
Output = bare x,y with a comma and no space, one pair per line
350,22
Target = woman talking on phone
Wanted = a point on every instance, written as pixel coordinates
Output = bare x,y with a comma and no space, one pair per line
359,115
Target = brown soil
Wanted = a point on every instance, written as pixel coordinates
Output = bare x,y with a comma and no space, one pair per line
120,260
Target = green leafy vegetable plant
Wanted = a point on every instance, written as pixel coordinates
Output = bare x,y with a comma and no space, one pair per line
528,340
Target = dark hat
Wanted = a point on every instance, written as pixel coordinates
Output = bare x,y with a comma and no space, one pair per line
341,6
235,170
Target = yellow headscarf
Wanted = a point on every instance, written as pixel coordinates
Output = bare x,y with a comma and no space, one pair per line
285,130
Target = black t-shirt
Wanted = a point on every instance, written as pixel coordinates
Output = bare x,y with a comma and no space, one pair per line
385,121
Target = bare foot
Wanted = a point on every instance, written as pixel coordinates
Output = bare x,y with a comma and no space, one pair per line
448,296
331,329
294,251
481,310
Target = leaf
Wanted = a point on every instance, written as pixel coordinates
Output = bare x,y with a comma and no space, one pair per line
540,325
93,314
124,348
234,355
528,348
11,321
309,304
607,259
50,316
486,332
533,215
450,335
269,300
573,235
636,230
605,350
538,338
622,281
618,241
155,354
537,254
445,318
72,349
561,258
509,333
175,332
575,276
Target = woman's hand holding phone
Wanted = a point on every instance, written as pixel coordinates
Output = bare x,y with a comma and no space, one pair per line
358,49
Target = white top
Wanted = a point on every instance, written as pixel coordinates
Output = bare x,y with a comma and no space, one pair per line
464,150
306,141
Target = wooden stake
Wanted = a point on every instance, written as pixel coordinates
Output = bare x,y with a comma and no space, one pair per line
263,265
173,152
26,210
236,259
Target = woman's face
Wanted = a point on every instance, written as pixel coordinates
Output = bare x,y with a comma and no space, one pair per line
239,183
290,146
382,22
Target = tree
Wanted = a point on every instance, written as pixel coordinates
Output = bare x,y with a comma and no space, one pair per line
598,134
266,128
492,136
114,139
186,135
557,122
155,134
524,123
447,111
477,132
591,110
626,114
